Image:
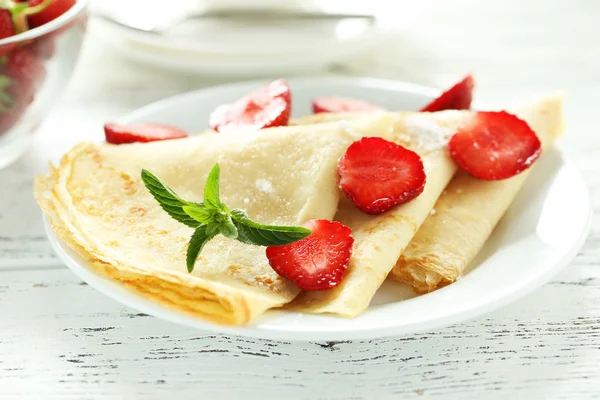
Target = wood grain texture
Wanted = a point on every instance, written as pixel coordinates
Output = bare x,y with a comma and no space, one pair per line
62,339
70,339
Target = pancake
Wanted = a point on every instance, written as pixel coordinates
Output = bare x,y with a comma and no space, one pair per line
98,205
468,211
380,239
464,216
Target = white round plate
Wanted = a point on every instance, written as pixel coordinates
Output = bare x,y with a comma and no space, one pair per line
541,232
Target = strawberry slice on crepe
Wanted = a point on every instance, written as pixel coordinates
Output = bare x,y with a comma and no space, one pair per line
458,97
494,145
376,174
266,107
319,261
143,132
335,104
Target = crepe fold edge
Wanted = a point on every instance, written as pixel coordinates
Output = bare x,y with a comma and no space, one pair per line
195,296
430,262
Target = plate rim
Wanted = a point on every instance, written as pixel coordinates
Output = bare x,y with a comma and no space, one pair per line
96,280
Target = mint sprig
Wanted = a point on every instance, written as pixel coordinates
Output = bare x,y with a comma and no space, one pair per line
199,238
169,200
264,235
211,218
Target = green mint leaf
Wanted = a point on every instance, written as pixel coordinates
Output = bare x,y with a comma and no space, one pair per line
197,242
211,189
212,217
228,229
213,228
254,233
168,199
198,213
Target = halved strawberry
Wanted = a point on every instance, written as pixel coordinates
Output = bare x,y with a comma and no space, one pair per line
144,132
48,11
264,108
494,145
22,66
319,261
334,104
377,175
458,97
7,29
21,73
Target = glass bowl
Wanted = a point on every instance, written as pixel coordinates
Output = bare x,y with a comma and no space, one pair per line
35,67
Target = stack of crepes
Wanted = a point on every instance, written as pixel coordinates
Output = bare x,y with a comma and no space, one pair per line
98,205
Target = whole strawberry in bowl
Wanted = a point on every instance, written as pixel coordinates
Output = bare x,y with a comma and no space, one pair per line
40,41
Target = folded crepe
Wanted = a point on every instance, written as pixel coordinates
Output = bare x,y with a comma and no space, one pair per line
380,239
467,212
98,205
462,218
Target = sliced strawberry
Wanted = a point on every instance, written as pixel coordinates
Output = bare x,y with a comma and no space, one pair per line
7,29
458,97
264,108
146,132
49,12
334,104
25,68
319,261
494,145
377,175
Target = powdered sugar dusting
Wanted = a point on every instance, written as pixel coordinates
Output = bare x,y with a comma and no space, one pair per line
425,134
344,125
264,185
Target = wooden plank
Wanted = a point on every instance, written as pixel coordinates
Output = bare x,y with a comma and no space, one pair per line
59,336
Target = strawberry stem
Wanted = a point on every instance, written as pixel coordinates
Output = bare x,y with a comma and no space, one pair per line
36,9
20,23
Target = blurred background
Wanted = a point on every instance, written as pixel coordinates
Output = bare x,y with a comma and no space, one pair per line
514,48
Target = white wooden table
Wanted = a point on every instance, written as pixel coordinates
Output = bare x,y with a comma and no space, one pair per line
59,338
